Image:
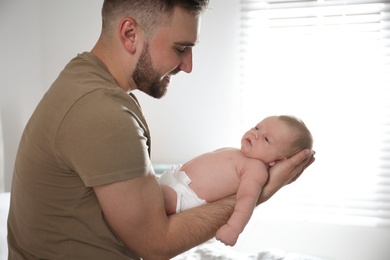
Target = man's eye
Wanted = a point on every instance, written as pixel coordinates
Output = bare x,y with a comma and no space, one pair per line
180,50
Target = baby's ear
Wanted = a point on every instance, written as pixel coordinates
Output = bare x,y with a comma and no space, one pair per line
276,161
271,164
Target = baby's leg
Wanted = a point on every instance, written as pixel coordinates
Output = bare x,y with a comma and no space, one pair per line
170,199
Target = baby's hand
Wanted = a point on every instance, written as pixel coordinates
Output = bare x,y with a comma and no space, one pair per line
227,235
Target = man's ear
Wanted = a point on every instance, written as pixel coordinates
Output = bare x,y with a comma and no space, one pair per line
129,29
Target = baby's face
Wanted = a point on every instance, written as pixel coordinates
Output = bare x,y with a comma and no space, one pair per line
267,141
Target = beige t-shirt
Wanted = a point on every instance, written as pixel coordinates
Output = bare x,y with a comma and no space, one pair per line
85,132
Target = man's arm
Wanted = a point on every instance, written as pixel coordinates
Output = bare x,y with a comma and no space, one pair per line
286,172
135,210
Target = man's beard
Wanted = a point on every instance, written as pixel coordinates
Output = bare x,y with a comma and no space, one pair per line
146,78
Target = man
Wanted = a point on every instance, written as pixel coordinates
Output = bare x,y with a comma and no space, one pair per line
83,185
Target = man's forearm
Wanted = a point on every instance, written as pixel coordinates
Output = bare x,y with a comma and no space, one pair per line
195,226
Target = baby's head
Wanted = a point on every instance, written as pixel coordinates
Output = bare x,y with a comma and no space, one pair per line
302,138
276,138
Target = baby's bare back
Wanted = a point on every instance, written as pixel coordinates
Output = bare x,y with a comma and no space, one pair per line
216,174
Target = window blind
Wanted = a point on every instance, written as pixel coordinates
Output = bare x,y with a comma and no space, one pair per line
327,62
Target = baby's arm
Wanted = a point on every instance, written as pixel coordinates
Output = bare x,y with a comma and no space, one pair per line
252,181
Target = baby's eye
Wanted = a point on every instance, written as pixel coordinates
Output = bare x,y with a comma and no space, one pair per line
256,128
266,139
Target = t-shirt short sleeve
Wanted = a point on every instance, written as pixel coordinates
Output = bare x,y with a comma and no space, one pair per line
103,139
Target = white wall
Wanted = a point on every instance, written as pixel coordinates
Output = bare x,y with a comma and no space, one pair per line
199,113
20,72
2,188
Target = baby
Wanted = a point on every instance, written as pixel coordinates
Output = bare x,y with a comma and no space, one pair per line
226,171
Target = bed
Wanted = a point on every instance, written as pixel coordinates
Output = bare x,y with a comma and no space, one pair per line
211,250
4,205
214,250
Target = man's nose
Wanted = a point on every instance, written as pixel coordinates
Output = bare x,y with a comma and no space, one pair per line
186,63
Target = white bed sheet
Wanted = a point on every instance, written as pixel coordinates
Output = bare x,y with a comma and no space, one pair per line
4,206
215,250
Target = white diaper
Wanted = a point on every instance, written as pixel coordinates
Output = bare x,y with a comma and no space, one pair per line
179,181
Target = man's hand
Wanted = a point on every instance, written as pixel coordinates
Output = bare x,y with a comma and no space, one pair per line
285,172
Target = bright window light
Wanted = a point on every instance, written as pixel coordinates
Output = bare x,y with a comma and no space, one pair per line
326,62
